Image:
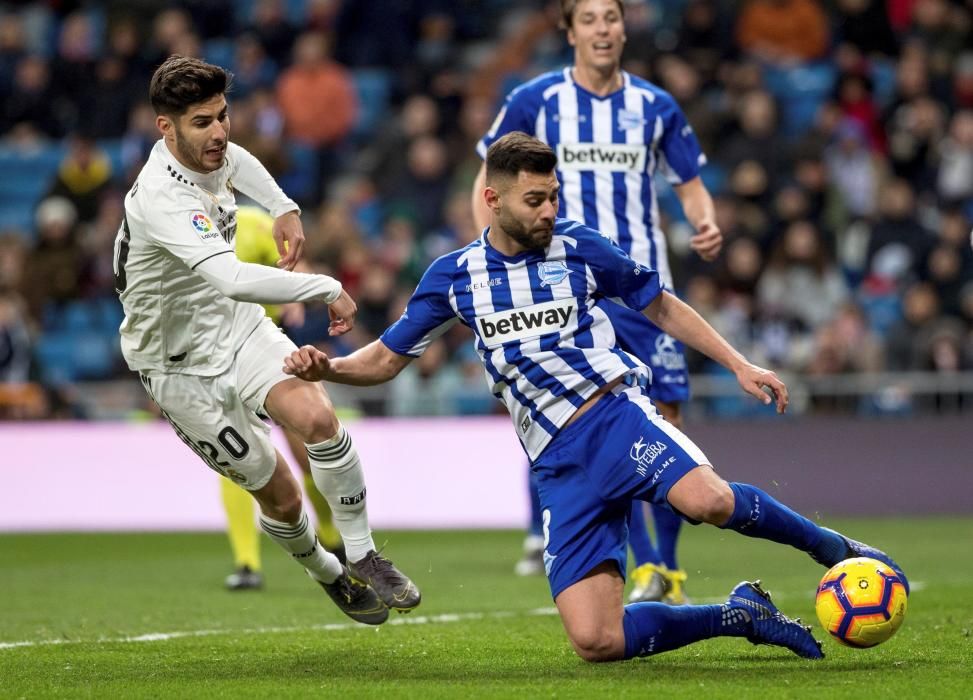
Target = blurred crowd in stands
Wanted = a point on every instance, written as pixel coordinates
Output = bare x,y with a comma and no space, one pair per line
839,137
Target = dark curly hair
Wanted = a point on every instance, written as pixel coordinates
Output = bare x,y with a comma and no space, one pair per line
183,81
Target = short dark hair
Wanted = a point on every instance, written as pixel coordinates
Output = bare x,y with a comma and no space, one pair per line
515,152
181,82
568,7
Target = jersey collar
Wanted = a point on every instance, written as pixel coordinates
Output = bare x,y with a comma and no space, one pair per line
626,82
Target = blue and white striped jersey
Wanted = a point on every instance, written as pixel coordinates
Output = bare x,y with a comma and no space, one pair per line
545,345
608,150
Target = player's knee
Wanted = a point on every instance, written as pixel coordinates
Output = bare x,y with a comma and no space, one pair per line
716,505
596,645
317,424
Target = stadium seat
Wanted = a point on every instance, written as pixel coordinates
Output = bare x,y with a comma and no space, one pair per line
299,178
800,92
373,86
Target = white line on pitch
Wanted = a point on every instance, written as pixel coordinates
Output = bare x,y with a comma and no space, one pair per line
340,626
331,627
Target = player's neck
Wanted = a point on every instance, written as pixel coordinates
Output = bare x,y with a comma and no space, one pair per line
596,80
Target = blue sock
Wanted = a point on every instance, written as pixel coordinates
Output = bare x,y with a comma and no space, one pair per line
757,514
638,536
651,628
536,526
667,526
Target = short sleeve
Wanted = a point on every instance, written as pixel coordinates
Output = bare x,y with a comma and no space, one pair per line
178,224
518,113
427,315
617,276
682,155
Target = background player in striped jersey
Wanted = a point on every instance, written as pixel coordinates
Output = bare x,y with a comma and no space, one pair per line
208,355
254,243
612,132
530,288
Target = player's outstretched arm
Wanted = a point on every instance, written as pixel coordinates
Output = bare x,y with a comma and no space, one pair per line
372,364
265,285
683,323
698,205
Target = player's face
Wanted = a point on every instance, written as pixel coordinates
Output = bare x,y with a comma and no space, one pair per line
200,135
597,34
527,208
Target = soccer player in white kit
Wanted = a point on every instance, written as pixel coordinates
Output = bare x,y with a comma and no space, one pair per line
208,355
612,132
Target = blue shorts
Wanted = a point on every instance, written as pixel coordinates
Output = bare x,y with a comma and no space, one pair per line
587,477
662,353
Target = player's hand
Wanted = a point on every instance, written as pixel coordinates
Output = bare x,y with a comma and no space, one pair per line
754,379
708,241
289,237
308,363
342,313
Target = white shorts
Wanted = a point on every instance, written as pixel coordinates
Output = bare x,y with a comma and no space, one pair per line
221,418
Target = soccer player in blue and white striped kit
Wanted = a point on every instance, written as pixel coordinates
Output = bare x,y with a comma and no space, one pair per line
531,289
612,132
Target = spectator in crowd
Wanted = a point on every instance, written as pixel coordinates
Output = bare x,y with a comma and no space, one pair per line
856,171
783,32
955,183
865,25
883,173
846,344
52,271
83,177
271,26
318,102
32,99
802,283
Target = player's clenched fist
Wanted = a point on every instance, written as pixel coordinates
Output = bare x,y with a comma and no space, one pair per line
308,363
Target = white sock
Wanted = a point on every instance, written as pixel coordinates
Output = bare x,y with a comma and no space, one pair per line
338,474
300,542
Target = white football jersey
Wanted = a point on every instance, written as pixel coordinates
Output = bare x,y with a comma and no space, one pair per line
175,218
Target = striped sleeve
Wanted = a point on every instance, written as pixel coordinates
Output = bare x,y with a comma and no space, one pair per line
427,315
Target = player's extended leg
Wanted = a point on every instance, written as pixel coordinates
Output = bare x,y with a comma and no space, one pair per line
306,409
702,495
532,562
326,530
600,629
242,532
668,524
586,484
285,521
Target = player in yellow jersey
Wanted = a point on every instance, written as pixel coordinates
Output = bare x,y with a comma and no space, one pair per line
255,244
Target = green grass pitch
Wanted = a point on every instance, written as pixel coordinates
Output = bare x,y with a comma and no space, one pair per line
145,615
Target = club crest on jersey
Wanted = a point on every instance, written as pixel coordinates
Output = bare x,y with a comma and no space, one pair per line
552,272
628,119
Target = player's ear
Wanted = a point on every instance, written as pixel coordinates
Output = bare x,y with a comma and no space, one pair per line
165,125
492,198
570,35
